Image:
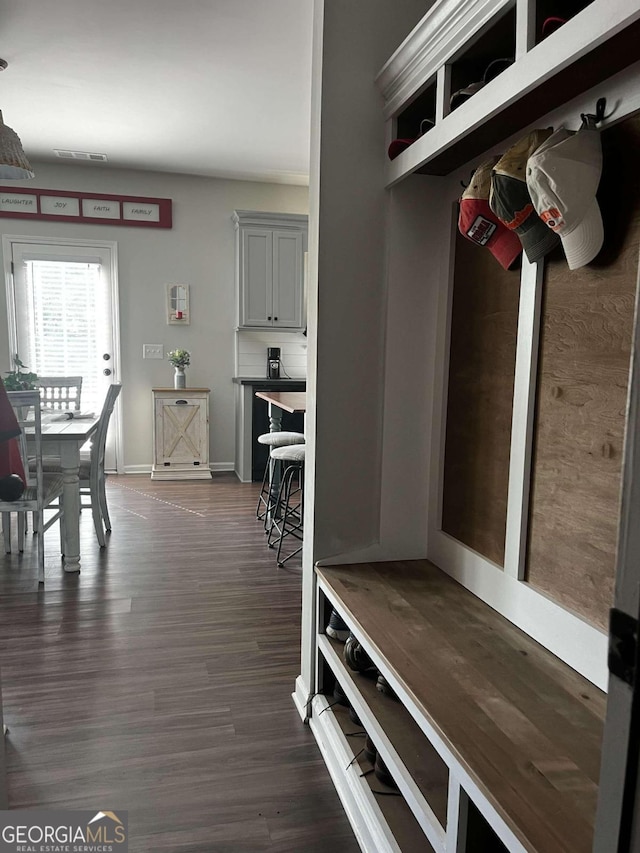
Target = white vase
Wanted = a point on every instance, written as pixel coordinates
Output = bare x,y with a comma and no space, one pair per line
179,378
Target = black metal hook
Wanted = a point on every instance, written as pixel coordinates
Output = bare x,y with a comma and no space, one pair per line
462,183
598,116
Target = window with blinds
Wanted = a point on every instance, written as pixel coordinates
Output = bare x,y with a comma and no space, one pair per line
61,312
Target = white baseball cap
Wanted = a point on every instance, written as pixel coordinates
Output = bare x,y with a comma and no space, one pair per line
563,177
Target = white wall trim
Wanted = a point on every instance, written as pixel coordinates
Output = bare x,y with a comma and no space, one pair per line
447,26
523,416
301,698
441,380
146,468
222,466
579,644
263,219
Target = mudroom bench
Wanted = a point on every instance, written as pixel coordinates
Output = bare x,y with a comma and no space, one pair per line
492,741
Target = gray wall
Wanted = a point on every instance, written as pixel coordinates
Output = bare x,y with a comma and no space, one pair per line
348,295
348,287
199,251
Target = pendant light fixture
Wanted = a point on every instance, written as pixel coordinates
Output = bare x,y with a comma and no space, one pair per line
14,165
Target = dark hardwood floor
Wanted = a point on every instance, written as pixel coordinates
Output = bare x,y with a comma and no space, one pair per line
159,680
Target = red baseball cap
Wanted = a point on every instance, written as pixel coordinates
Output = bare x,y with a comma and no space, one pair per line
478,223
397,146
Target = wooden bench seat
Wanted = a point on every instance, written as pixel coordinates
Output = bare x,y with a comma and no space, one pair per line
523,726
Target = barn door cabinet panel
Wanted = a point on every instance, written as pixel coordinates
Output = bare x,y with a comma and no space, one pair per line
180,434
270,251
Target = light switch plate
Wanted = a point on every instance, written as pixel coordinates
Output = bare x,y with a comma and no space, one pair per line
152,351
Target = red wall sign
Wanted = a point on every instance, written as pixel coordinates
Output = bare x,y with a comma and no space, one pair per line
64,206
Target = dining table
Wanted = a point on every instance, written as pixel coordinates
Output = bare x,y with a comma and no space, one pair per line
64,436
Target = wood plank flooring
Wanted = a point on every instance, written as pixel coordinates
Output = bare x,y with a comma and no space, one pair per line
159,680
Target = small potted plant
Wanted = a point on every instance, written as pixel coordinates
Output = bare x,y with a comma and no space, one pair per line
179,358
21,378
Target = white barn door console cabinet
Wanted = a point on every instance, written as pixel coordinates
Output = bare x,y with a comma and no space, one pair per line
470,531
180,434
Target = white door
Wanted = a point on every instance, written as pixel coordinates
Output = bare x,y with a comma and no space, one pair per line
62,307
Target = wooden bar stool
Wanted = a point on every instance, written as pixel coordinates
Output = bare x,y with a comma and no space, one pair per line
273,471
287,517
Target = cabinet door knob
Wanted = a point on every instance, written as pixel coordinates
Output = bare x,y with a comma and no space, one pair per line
268,318
275,319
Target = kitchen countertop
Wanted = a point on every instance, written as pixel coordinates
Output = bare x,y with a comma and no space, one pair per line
263,382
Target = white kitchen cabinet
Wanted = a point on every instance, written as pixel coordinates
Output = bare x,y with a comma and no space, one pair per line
270,252
180,434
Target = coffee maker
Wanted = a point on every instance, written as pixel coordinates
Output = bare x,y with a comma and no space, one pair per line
273,362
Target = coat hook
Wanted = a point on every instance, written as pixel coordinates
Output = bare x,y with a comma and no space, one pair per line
598,116
425,125
466,186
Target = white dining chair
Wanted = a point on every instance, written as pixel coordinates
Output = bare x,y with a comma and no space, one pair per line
60,393
42,489
92,475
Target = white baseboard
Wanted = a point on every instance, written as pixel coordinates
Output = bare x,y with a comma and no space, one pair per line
301,699
222,466
146,469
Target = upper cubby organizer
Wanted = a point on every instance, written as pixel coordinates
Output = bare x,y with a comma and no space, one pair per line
474,72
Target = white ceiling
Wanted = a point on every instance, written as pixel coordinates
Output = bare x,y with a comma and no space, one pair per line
204,87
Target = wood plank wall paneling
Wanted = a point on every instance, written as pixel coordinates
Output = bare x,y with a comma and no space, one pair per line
480,398
586,332
159,680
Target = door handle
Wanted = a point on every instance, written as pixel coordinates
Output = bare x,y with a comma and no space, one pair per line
106,371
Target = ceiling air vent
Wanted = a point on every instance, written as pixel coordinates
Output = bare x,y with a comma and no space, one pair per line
79,155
